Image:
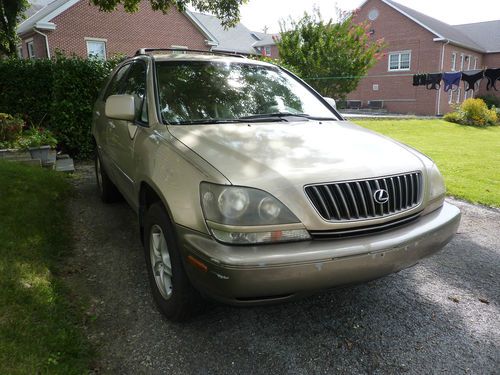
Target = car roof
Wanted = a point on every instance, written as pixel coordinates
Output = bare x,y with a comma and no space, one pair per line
188,56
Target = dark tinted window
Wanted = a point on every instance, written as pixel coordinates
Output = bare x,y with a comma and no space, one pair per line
135,85
115,87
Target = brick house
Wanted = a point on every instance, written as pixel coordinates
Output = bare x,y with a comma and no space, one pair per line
418,43
76,27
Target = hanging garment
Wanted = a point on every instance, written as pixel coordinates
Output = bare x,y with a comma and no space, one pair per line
419,79
472,79
416,79
433,81
451,80
493,75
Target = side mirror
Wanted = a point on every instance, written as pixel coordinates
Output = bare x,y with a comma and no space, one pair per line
331,101
120,107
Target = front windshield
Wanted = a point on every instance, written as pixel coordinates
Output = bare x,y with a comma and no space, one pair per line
193,92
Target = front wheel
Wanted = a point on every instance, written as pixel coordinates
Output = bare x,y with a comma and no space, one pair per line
171,289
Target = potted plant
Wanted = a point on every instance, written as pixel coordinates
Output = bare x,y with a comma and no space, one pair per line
38,141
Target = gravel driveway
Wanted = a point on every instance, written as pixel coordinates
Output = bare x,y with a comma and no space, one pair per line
441,316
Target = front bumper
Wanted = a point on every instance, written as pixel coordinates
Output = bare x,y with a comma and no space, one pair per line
266,273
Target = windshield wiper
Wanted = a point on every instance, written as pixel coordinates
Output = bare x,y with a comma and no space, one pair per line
208,121
285,114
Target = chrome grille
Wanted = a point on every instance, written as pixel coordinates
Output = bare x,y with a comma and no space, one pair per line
354,200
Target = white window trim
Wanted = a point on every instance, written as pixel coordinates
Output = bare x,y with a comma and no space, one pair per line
475,62
462,59
399,53
92,39
28,44
468,64
20,51
453,61
105,41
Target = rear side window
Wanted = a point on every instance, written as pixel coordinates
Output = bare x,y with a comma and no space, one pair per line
115,87
135,85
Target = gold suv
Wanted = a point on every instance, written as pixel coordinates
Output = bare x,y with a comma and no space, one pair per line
251,188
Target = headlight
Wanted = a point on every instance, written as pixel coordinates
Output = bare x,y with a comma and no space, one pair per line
437,189
241,215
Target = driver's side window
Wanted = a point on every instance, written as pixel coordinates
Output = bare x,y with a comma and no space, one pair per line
135,85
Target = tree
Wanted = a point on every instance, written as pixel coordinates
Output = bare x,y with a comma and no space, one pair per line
331,57
226,10
11,13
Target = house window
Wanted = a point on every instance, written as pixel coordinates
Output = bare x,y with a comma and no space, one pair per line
453,61
268,51
20,52
469,60
462,58
96,48
31,50
399,60
475,62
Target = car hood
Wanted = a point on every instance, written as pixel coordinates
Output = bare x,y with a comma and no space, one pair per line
300,153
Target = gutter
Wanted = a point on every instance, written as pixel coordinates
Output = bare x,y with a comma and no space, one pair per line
441,69
458,44
46,41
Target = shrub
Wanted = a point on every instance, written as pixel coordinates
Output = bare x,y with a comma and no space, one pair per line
10,130
490,100
56,94
473,112
36,137
452,117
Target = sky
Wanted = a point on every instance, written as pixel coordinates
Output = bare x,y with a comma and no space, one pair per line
257,14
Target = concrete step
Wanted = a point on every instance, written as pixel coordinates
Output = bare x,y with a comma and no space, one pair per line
65,165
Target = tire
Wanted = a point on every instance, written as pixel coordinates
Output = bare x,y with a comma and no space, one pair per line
170,286
107,190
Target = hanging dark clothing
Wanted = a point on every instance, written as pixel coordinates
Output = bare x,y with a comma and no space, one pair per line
472,79
433,81
493,75
451,80
419,79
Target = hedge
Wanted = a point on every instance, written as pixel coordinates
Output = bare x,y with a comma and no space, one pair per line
56,94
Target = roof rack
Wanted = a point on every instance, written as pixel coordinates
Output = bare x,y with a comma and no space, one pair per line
145,51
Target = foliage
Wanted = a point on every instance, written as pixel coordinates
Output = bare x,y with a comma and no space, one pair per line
10,130
56,94
473,112
226,10
11,14
467,156
279,62
40,327
36,137
330,56
491,100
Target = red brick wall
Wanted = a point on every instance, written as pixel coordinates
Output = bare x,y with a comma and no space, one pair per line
124,32
38,45
395,88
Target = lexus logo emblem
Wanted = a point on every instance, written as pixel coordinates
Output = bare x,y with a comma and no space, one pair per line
381,196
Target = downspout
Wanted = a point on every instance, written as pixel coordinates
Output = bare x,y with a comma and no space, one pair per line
46,41
441,69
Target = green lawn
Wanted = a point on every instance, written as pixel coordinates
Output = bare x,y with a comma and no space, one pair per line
40,329
468,157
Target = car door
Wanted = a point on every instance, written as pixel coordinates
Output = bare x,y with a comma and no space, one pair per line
105,126
124,133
